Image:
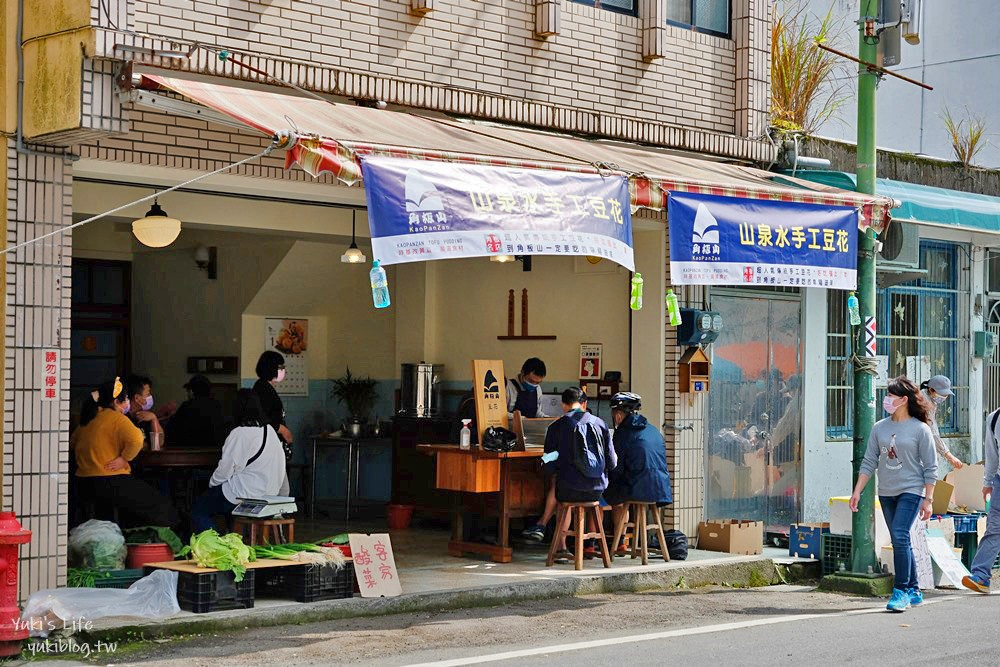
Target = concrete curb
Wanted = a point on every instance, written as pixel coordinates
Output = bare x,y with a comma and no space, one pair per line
748,573
873,587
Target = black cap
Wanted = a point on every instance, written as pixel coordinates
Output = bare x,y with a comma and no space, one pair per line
199,385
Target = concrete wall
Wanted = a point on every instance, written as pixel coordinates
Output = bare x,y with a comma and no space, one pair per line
956,55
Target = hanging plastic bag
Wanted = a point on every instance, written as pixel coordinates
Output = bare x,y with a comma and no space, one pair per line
154,596
97,545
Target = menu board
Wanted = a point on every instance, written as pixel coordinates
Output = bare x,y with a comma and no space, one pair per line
290,338
491,394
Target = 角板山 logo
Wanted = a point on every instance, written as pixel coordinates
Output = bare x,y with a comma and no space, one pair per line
421,195
490,385
704,235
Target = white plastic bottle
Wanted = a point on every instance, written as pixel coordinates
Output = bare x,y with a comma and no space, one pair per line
465,436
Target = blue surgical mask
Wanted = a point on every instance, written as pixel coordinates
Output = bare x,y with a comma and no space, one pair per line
532,385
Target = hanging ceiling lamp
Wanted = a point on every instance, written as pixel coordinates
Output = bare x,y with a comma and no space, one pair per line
157,229
501,259
353,254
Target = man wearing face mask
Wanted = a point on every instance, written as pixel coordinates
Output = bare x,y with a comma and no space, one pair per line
524,393
141,405
937,390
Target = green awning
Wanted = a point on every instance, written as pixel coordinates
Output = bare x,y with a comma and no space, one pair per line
922,203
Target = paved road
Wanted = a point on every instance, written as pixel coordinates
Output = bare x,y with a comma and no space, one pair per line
779,625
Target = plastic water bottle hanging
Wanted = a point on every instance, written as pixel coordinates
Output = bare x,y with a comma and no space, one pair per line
380,285
673,309
635,299
853,310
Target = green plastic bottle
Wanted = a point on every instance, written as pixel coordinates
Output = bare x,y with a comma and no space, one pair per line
635,300
673,309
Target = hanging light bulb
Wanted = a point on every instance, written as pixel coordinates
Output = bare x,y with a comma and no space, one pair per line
353,254
156,229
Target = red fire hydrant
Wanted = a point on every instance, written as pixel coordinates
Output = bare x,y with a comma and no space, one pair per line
12,630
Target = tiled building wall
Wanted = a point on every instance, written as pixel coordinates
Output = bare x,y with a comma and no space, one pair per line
38,199
595,64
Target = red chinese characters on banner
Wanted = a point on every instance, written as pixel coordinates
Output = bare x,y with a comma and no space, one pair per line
49,364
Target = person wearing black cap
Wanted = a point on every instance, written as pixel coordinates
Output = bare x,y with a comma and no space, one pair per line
641,474
198,422
937,390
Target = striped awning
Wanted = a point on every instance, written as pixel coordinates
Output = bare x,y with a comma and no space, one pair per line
334,137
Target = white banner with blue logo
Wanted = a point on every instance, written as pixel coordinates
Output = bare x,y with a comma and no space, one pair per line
755,242
420,210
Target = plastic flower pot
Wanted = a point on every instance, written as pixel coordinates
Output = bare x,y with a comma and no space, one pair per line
398,516
140,554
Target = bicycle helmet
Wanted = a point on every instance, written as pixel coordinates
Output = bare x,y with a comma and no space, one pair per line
626,401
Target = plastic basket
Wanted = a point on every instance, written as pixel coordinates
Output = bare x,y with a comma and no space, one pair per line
214,591
836,552
966,523
119,578
306,582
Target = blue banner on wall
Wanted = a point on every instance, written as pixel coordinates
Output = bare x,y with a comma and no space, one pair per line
420,210
754,242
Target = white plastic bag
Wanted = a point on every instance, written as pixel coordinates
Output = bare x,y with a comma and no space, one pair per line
153,596
97,545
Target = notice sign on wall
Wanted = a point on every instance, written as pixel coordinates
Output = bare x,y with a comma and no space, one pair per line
290,338
374,565
590,361
49,365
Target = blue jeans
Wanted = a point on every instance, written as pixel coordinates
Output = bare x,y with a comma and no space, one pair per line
207,506
989,546
900,512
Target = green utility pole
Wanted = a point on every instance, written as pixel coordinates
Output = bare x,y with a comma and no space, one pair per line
862,526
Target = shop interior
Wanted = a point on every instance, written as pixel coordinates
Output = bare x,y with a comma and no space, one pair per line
245,259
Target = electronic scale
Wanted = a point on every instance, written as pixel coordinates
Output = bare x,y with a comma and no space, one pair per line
265,507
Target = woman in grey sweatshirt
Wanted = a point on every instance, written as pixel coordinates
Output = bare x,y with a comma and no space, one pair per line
902,448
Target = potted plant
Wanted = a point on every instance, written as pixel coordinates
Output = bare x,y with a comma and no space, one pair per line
358,395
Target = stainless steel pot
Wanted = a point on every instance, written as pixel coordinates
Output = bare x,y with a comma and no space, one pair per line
420,389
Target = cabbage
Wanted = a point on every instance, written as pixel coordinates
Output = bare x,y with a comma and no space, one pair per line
221,552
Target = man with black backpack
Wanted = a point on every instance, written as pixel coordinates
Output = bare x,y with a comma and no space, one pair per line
585,453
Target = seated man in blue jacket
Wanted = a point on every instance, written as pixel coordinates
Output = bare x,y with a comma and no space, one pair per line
586,454
641,474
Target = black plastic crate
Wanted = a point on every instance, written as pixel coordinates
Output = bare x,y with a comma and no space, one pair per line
214,591
306,582
836,551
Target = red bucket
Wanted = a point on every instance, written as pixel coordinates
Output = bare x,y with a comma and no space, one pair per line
398,516
140,554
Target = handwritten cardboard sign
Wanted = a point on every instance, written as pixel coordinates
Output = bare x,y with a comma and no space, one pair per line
374,565
945,558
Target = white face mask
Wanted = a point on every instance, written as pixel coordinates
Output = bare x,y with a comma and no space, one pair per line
938,399
281,375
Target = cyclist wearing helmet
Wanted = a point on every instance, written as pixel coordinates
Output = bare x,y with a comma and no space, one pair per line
641,473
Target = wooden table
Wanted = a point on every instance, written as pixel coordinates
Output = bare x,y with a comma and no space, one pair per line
507,486
179,458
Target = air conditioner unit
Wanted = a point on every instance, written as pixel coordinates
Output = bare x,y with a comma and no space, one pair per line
900,246
899,259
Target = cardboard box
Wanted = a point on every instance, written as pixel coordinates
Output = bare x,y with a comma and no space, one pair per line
805,540
968,483
943,491
732,536
840,520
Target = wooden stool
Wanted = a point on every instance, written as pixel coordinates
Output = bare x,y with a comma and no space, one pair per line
578,529
640,529
259,529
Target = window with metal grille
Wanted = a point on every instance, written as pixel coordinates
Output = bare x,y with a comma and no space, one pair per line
711,16
621,6
923,330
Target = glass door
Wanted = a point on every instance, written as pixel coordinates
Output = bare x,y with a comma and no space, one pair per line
754,452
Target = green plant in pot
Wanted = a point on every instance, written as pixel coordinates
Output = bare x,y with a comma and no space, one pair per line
358,395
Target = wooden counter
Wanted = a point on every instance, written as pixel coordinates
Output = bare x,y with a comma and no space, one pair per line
503,485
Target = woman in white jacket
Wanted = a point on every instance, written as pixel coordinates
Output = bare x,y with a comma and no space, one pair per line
252,465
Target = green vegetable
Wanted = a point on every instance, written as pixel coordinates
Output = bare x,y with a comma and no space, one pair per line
306,553
152,534
222,552
342,538
79,577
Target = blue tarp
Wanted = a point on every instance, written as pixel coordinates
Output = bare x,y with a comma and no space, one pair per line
923,203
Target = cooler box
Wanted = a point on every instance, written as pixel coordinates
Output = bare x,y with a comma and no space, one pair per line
805,540
840,520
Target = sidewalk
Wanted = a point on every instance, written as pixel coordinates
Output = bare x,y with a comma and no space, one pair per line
433,580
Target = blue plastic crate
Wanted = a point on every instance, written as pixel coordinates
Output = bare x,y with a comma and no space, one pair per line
966,523
805,540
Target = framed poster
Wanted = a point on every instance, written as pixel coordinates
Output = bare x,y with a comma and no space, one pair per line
290,338
590,361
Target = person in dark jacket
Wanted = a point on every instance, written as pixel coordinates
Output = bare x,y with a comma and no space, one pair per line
198,422
641,474
576,482
271,371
